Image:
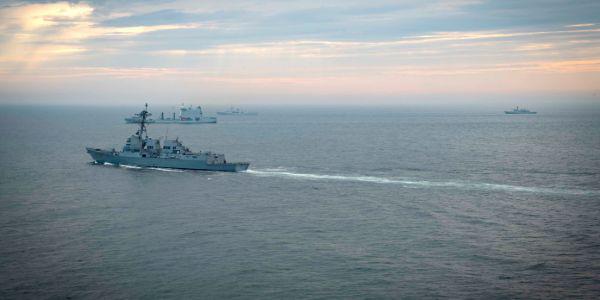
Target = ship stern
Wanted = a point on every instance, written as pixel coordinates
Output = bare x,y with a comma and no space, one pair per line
239,167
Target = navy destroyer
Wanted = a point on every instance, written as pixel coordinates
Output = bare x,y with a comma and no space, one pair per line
141,150
520,111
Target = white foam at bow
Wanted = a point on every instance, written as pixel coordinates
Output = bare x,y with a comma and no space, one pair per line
129,167
167,170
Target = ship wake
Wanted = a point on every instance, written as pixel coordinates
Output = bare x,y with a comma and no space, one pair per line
413,183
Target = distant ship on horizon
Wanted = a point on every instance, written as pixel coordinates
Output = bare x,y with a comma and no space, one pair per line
187,115
520,111
235,111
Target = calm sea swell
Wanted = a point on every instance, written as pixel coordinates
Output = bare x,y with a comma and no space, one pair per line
337,204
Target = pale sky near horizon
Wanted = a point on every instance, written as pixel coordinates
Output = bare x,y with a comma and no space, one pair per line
299,52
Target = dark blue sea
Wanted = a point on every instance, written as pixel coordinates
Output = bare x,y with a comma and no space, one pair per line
339,203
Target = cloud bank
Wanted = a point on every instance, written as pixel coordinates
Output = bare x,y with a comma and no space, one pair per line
300,52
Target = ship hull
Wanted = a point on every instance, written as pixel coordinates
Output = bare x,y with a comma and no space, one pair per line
520,113
106,156
222,113
159,121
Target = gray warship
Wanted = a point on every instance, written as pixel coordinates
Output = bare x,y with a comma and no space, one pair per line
141,150
234,111
520,111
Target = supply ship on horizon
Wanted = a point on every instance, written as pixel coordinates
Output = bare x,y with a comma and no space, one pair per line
187,115
141,150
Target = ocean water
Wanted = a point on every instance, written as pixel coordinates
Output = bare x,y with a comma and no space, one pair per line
338,203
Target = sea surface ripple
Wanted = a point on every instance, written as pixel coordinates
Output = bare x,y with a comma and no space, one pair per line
338,203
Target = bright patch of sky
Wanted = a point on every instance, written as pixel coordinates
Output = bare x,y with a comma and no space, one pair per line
303,52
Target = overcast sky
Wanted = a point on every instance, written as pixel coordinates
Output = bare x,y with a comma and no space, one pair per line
302,52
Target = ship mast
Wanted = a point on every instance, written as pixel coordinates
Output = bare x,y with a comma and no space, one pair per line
143,115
